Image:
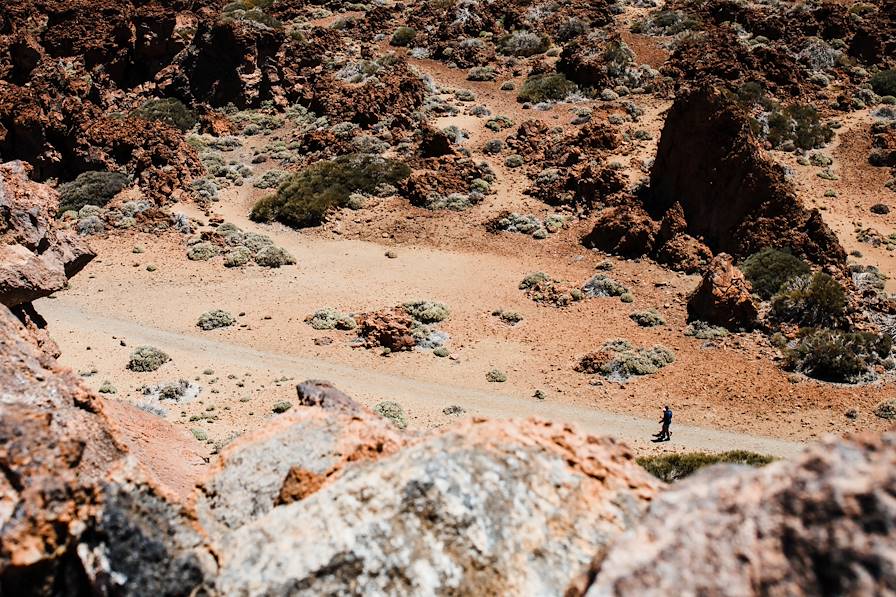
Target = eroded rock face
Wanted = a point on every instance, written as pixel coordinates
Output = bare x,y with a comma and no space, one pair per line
35,259
305,446
724,296
820,525
731,195
486,507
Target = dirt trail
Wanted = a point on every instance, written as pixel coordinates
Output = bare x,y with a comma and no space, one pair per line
413,393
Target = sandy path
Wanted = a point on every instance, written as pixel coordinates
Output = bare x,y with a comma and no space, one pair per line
413,393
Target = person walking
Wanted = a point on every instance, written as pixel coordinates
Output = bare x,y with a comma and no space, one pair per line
665,435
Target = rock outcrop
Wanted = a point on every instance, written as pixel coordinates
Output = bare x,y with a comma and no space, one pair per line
724,297
732,196
820,525
484,508
35,259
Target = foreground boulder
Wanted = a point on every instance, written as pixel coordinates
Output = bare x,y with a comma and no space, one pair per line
723,297
484,508
823,524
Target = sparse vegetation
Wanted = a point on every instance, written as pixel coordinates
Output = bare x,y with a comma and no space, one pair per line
769,268
816,300
705,331
393,412
217,318
307,196
91,188
169,110
884,83
426,311
496,376
835,355
545,88
647,319
402,37
273,257
618,360
673,467
603,285
329,319
523,44
147,358
886,410
202,251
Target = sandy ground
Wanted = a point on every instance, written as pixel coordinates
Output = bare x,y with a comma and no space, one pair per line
726,394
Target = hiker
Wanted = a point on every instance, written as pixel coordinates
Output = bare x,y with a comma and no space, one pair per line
665,435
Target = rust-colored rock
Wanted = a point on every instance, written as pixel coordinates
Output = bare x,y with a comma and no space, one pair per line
624,230
390,328
732,196
723,296
35,259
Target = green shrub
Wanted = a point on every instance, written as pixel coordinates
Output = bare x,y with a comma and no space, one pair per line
543,88
884,82
273,257
169,110
769,268
672,467
886,410
496,376
705,331
147,358
212,320
426,311
799,124
402,37
523,44
328,319
816,300
306,197
647,319
393,412
90,188
202,251
603,285
835,355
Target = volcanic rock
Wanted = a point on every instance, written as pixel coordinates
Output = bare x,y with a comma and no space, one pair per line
819,525
723,296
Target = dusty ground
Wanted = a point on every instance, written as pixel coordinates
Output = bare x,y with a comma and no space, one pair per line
725,394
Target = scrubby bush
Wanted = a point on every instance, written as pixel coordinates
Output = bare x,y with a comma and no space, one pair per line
481,73
217,318
619,360
816,300
508,317
886,410
90,188
402,37
603,285
328,319
202,251
672,467
570,28
835,355
800,125
252,10
523,44
496,376
884,82
306,197
147,358
169,110
273,257
237,257
393,412
705,331
647,319
543,88
769,268
427,311
281,406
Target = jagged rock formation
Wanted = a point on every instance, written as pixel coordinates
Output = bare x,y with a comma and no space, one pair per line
724,297
820,525
732,197
713,190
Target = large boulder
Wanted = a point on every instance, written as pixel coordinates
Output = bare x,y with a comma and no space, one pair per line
35,258
723,296
823,524
483,508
